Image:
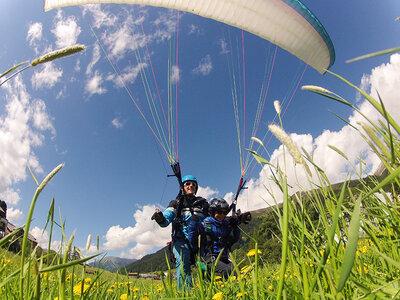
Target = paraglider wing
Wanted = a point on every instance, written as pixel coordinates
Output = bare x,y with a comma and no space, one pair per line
286,23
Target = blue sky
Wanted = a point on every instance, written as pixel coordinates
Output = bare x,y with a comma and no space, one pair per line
75,111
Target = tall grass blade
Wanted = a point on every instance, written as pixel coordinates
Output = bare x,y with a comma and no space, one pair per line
351,247
383,52
337,150
13,68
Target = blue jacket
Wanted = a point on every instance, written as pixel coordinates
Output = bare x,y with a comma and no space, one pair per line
221,235
180,223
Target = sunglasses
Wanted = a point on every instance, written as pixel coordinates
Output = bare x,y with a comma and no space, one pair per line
188,183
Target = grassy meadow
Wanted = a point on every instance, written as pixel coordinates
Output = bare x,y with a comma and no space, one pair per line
351,251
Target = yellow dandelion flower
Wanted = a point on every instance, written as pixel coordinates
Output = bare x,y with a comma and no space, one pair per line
271,288
252,252
322,251
78,289
218,277
123,297
88,279
145,298
218,296
110,291
240,294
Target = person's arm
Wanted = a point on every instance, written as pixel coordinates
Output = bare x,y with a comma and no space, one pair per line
165,218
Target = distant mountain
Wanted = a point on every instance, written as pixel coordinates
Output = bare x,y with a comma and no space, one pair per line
111,263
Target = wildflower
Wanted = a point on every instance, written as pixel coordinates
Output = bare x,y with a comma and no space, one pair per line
277,107
88,279
218,296
245,269
110,291
252,252
123,297
218,277
271,288
78,288
240,294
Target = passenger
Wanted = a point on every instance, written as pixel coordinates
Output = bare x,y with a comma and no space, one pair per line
217,233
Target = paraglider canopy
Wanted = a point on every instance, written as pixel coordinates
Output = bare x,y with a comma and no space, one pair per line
287,23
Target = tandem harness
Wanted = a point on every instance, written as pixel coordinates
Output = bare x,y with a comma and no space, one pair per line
177,231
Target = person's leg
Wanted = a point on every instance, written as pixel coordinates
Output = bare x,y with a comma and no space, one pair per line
182,255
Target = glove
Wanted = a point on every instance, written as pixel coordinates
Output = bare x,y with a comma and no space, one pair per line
158,216
245,217
233,221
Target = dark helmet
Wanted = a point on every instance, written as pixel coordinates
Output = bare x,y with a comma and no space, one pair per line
190,178
217,204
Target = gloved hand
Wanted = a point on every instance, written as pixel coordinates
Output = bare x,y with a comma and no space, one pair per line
233,221
158,216
245,217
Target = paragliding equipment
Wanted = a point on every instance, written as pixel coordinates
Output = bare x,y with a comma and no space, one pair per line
241,187
288,24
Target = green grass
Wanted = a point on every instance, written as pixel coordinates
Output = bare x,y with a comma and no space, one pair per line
350,251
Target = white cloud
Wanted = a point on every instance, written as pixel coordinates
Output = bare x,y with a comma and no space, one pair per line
117,123
224,46
43,239
165,26
14,215
128,75
93,85
34,34
175,74
100,17
47,76
21,130
206,192
194,29
66,30
383,79
205,66
95,59
145,233
123,39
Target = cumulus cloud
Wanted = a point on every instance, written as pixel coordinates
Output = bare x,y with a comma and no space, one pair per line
205,66
93,85
207,192
66,30
165,26
47,76
42,237
14,215
21,130
384,80
145,233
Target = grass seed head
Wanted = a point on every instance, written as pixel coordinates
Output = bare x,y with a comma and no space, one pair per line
277,106
58,54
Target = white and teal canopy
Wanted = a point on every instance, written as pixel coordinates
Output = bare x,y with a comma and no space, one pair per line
287,23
